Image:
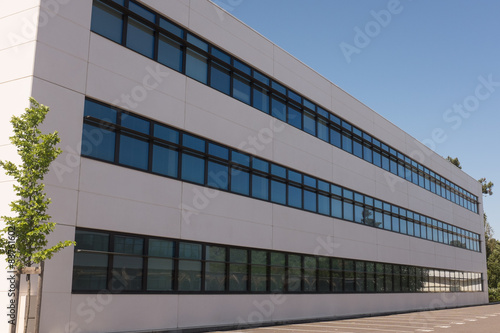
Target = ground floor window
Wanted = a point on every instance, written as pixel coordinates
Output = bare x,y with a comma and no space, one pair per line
119,262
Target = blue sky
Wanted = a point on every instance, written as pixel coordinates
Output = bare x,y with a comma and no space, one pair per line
419,64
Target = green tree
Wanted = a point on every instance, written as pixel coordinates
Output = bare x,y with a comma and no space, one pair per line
489,241
487,186
454,161
23,239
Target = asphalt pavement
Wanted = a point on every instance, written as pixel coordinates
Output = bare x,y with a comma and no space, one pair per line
476,319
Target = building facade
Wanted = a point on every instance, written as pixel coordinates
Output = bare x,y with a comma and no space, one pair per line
212,180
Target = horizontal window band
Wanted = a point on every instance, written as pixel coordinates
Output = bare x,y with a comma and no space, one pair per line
207,268
189,159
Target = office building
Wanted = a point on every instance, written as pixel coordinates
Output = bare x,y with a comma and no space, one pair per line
212,180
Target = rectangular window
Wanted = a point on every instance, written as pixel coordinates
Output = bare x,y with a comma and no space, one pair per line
387,222
218,175
357,148
380,277
359,214
240,181
166,133
294,273
90,269
134,152
323,204
241,89
323,130
377,158
335,137
170,53
260,99
193,168
278,192
277,276
417,229
103,149
385,162
220,78
196,66
160,265
310,269
347,142
258,271
127,269
367,154
309,123
394,166
189,274
310,200
260,187
140,38
215,268
388,278
396,278
324,280
337,275
238,277
379,219
395,224
294,196
336,208
278,109
360,277
348,211
349,283
165,160
107,21
294,117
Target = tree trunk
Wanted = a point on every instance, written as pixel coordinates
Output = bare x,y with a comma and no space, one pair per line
39,299
16,296
28,301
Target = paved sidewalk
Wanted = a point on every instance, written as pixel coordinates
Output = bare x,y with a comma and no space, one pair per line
477,319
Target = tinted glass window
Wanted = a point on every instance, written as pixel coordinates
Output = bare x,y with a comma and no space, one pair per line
135,123
107,22
220,78
240,181
196,66
134,152
218,175
260,187
170,53
193,168
98,143
278,109
241,89
140,38
294,117
261,99
165,161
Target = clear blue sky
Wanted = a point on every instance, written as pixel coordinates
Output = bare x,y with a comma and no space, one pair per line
419,63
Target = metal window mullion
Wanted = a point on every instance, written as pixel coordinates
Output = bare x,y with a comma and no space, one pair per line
145,263
117,136
111,245
227,270
175,273
156,35
150,147
203,268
